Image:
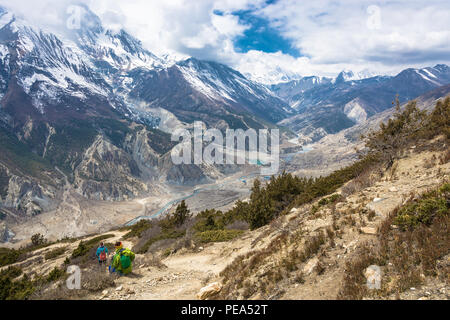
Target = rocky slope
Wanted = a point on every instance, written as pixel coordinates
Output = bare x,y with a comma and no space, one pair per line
347,227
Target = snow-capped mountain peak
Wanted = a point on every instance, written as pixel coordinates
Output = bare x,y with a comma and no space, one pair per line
437,75
92,64
267,74
349,75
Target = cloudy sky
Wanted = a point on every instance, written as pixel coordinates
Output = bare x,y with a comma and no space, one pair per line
320,37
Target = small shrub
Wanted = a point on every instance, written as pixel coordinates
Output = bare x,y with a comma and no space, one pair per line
38,239
299,278
312,246
80,251
371,215
218,235
178,218
333,199
138,229
354,285
55,253
425,209
8,256
55,275
12,289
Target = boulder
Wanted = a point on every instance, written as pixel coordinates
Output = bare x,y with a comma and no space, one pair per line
310,266
209,291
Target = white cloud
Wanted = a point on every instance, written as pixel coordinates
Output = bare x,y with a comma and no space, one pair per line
332,36
407,32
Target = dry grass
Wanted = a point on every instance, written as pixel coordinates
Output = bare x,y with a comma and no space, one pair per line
363,181
92,281
405,255
53,254
445,158
264,271
430,163
354,285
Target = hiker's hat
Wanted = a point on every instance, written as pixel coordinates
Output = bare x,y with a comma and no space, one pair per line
118,245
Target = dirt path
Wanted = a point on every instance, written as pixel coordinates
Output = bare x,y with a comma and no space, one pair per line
182,276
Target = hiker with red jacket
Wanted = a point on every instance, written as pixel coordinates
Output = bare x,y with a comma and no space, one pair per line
102,254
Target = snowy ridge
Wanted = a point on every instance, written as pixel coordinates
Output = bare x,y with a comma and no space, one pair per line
349,75
434,74
111,65
219,82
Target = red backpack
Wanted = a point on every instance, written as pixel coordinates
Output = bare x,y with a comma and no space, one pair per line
103,255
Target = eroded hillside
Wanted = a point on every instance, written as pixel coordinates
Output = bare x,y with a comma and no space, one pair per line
294,238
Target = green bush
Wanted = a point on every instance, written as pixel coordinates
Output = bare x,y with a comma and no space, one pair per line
55,275
138,229
326,201
11,289
425,209
38,239
209,220
55,253
218,235
81,250
8,256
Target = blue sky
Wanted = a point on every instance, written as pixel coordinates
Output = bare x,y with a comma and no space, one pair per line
264,39
261,36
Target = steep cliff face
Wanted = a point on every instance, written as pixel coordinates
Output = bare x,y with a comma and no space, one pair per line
25,195
108,173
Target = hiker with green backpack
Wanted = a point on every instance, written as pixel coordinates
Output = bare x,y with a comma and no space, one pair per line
122,260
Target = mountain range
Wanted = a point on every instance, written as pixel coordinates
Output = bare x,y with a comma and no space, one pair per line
325,105
93,109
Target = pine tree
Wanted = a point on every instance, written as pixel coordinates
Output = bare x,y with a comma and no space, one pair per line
182,213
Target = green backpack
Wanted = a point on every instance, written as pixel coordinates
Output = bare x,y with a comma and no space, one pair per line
125,261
